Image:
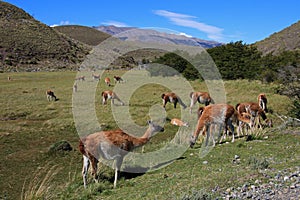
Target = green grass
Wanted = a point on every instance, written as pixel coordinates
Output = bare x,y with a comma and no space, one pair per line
30,125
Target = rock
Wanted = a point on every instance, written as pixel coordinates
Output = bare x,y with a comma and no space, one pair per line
293,187
249,195
284,185
285,178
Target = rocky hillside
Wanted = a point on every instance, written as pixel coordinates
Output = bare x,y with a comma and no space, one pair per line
149,35
29,45
84,34
287,39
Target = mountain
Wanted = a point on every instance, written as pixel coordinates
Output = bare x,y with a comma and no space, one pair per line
287,39
29,45
149,35
112,30
84,34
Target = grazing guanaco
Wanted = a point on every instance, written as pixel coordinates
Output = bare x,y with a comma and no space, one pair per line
96,77
262,101
50,95
221,115
178,122
107,81
255,112
200,111
75,87
201,97
111,145
172,98
80,78
118,79
108,94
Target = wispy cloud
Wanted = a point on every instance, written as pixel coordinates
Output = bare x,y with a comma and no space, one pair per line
61,23
213,32
115,23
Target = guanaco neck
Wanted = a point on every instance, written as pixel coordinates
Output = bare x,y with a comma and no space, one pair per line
144,139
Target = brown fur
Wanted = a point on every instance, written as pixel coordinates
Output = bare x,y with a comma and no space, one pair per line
172,98
255,109
96,76
220,114
107,81
50,95
178,122
75,87
201,97
80,78
108,94
118,79
262,101
216,114
200,111
111,145
255,112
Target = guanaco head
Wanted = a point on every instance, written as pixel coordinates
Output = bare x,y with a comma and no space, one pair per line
193,141
200,111
155,127
262,101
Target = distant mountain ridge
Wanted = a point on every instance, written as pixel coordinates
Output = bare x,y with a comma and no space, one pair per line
287,39
157,36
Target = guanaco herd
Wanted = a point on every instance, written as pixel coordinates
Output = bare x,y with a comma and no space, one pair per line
116,144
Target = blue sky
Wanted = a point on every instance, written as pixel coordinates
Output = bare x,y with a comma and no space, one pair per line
219,20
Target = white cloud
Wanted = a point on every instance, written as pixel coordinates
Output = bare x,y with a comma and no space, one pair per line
168,14
61,23
213,32
115,23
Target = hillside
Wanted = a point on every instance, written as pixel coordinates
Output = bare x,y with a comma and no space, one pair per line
84,34
29,45
149,35
287,39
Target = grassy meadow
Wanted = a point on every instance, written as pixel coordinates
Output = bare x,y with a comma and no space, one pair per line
29,125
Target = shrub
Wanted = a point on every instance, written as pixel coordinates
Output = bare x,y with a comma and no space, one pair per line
197,195
60,146
258,163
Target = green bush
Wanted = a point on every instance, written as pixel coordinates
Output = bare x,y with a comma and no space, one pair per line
258,163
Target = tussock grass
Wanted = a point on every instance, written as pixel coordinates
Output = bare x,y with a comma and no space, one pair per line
40,186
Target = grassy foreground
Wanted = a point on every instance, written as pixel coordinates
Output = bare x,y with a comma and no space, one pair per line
29,125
